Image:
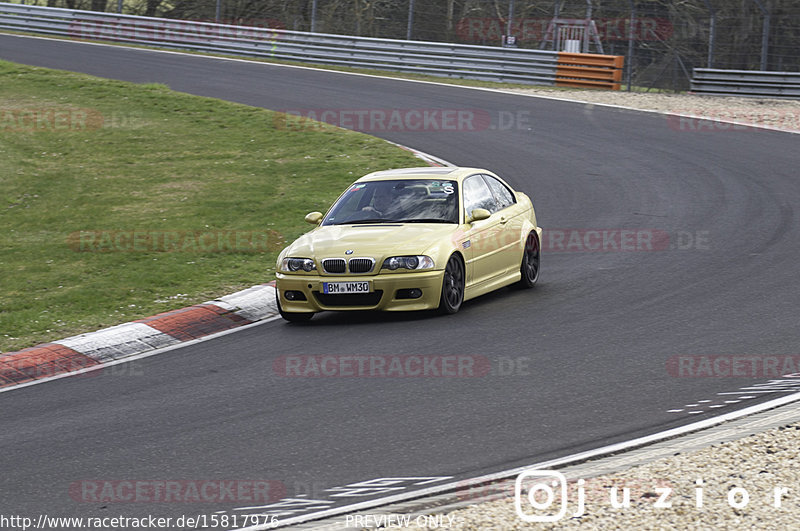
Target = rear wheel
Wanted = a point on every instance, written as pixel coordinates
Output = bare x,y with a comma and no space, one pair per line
530,262
293,317
452,286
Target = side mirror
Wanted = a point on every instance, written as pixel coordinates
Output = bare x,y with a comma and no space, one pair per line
315,218
479,214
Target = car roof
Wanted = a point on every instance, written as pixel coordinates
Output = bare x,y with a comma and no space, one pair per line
426,172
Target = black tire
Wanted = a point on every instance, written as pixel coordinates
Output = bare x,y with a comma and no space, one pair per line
293,317
453,284
530,262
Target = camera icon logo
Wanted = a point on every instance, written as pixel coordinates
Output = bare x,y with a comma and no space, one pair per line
539,489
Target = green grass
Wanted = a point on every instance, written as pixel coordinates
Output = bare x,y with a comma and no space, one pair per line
81,154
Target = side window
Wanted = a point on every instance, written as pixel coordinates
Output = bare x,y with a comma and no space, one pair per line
478,195
503,195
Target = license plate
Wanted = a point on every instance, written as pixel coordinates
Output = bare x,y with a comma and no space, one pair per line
335,288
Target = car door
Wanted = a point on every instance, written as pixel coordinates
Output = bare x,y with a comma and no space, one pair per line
480,237
510,221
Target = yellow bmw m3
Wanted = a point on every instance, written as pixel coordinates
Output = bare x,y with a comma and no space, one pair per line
411,239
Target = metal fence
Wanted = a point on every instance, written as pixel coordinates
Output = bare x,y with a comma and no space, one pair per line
662,40
453,60
752,83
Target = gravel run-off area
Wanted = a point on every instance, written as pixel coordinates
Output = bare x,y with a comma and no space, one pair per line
750,483
758,112
705,489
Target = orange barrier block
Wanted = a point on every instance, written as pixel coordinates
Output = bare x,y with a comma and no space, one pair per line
587,70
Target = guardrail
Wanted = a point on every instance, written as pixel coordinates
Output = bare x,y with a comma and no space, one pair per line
751,83
485,63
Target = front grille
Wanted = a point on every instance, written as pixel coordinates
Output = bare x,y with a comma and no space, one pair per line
361,265
338,266
350,299
334,265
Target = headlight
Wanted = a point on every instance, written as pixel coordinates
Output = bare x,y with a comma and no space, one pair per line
298,264
408,262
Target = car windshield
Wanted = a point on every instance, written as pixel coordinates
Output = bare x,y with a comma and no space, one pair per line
397,201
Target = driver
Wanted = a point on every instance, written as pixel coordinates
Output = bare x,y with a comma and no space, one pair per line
381,201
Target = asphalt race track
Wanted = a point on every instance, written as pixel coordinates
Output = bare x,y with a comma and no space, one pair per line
590,343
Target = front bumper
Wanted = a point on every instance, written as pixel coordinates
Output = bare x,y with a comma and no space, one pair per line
430,282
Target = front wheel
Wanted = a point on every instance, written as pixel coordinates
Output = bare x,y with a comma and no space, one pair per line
293,317
452,286
530,262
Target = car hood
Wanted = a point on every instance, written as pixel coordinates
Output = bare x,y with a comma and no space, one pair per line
377,241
